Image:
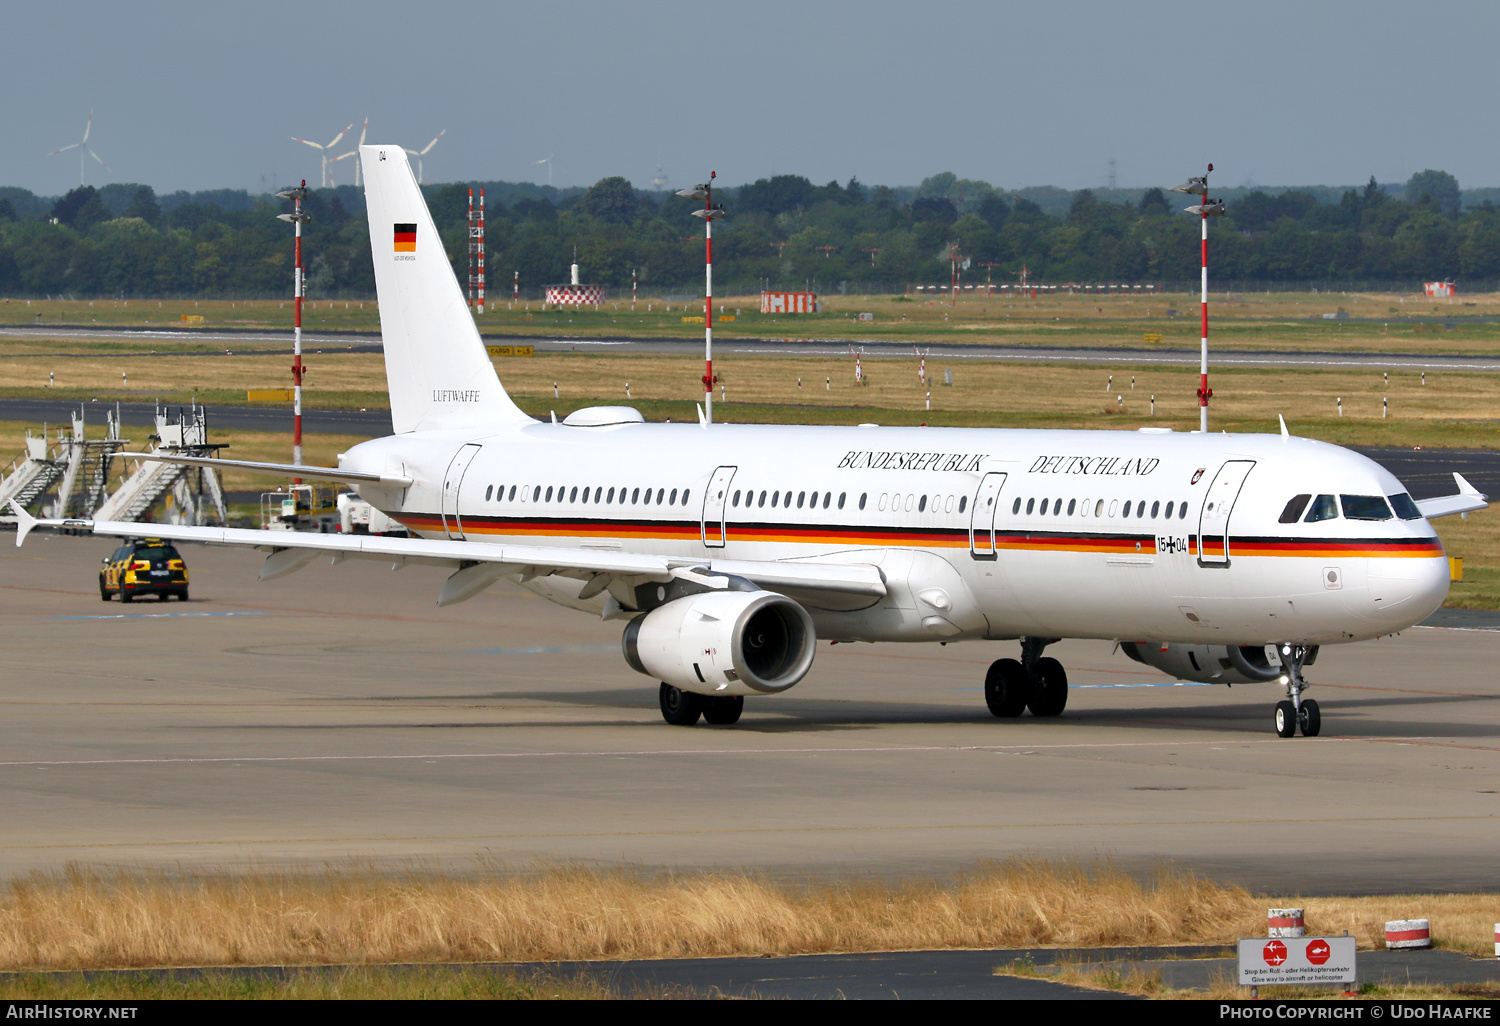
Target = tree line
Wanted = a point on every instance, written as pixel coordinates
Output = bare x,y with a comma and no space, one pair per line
782,232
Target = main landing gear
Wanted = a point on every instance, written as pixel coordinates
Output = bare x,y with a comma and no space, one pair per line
1034,682
1295,711
683,708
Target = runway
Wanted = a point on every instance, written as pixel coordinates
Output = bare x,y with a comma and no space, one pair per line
805,346
338,714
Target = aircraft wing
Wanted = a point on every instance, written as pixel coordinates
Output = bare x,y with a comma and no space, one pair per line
477,565
1467,500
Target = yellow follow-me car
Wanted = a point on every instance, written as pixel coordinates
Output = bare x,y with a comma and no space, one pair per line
146,566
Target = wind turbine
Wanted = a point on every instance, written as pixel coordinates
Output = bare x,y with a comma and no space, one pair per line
358,178
84,151
548,161
324,148
419,154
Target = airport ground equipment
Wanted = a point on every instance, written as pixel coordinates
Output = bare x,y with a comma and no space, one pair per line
187,491
300,507
31,476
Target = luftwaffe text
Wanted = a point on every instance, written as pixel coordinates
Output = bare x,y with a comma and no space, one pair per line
449,395
960,461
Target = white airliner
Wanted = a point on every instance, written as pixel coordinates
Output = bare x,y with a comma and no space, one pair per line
730,550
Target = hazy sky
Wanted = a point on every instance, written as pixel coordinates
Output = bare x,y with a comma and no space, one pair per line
204,95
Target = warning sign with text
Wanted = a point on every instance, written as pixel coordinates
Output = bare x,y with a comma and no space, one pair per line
1271,960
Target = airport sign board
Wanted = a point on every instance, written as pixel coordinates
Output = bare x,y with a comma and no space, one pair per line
1267,961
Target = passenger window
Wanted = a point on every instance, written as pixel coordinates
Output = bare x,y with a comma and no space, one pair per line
841,500
963,500
909,500
801,497
736,500
1099,508
1365,507
881,504
1030,505
1113,503
1140,509
1072,504
948,505
1155,507
775,497
610,497
862,497
1182,511
828,497
1168,513
922,504
762,501
660,494
1323,508
572,495
786,500
685,493
536,496
635,496
1015,507
1126,511
1404,507
672,499
1294,507
512,496
488,492
813,501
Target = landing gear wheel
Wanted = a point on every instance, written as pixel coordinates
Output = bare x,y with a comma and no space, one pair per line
1048,695
680,708
1311,720
1005,688
1286,719
723,711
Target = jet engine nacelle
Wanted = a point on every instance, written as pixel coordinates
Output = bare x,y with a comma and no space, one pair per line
724,643
1209,664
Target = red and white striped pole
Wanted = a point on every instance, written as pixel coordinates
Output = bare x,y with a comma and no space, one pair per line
1204,392
470,233
709,213
632,288
479,252
299,286
515,287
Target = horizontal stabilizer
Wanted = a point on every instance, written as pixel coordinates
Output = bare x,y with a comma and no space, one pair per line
278,469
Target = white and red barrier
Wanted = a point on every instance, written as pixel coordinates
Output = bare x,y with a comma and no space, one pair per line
789,302
1285,922
1408,933
575,295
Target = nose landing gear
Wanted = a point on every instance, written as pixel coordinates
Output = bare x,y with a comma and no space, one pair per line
1034,682
1294,711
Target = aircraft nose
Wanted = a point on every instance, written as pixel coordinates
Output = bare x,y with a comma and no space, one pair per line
1407,591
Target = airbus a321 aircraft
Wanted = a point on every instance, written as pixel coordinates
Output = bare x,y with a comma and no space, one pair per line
729,551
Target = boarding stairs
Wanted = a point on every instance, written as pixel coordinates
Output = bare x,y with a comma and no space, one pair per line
182,489
29,478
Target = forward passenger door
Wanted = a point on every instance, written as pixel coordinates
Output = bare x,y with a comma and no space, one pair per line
1218,503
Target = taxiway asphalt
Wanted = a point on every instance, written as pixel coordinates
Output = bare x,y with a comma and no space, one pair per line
338,714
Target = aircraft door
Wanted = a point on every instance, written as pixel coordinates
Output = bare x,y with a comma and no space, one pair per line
715,501
982,516
715,504
452,481
1218,503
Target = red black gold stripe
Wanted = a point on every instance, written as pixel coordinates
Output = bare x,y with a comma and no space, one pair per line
913,537
406,238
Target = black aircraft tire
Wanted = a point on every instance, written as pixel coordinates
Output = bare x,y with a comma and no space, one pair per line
1311,720
1048,695
724,711
1005,688
680,708
1286,719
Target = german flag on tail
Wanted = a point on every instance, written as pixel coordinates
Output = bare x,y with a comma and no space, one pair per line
406,238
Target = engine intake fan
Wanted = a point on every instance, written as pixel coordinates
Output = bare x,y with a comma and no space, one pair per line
724,643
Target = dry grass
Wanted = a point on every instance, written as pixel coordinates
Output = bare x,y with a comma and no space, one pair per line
91,919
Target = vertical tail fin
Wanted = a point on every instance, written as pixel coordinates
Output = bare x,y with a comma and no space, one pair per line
436,366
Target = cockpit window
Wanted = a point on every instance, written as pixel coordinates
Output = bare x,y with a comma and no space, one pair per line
1323,508
1294,508
1404,507
1365,507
